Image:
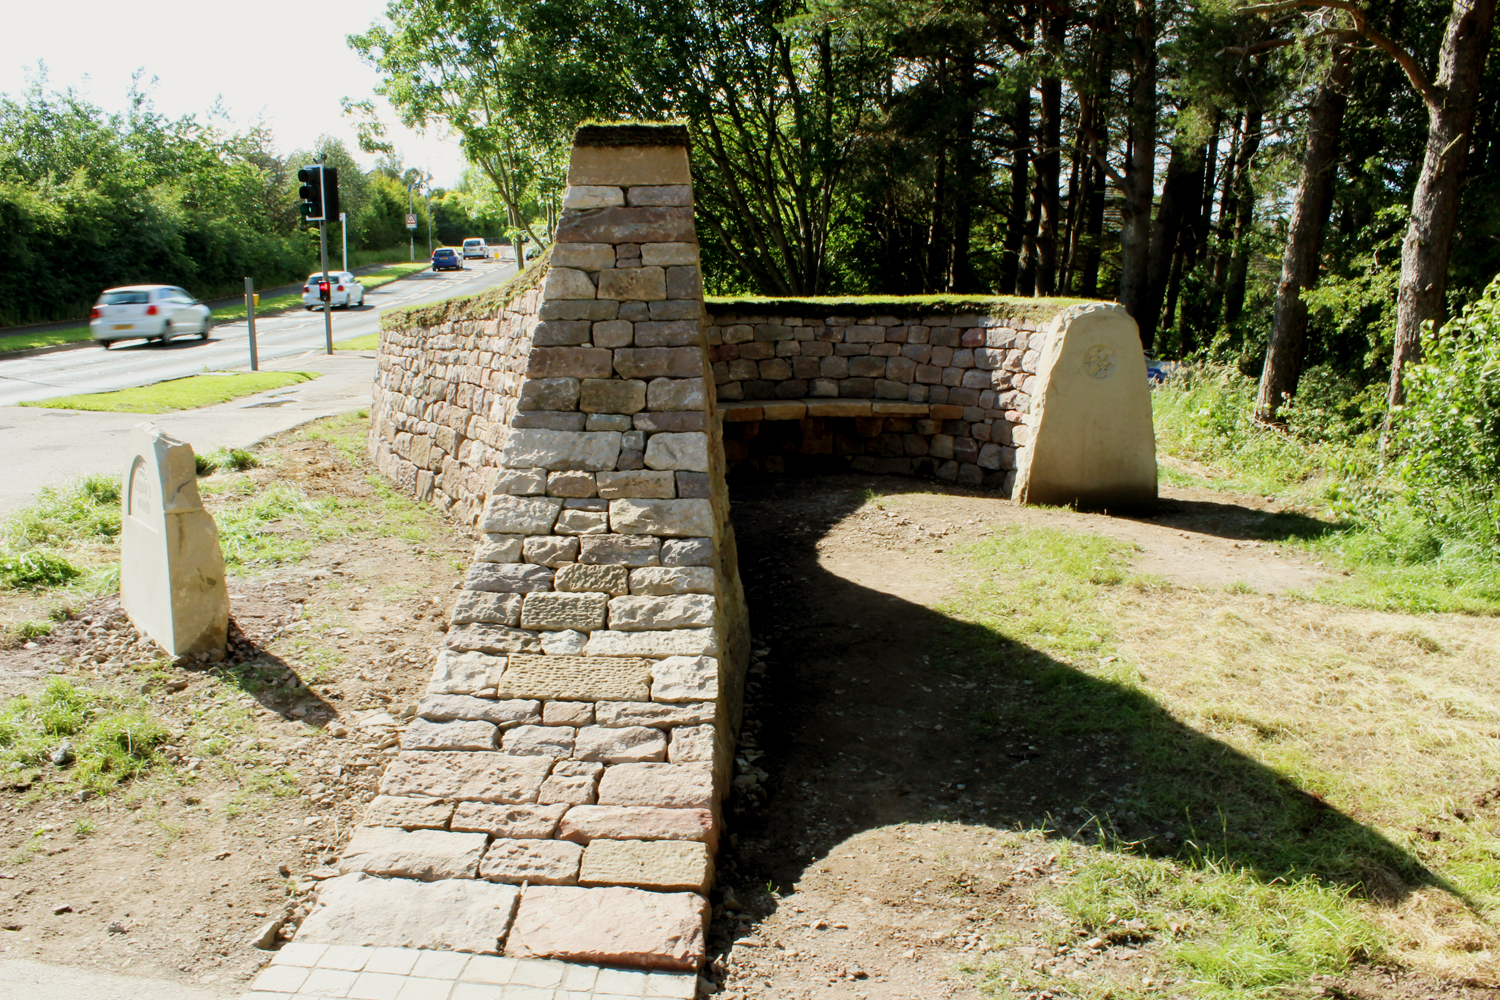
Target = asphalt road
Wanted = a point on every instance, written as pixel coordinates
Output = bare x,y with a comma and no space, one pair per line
136,362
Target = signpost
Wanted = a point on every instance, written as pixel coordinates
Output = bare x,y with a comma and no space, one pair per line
251,301
344,225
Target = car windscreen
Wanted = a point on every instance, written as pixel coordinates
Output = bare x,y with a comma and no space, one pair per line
443,253
124,298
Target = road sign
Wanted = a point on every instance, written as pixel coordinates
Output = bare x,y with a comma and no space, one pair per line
411,221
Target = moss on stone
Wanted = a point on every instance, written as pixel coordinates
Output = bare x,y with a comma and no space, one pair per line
480,306
1004,306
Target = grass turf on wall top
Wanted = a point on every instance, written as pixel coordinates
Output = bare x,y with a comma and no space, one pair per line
1015,307
481,306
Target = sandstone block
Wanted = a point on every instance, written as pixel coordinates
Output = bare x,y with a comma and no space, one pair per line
498,548
564,642
691,745
452,915
612,580
687,552
448,707
611,926
613,395
568,362
645,613
685,678
672,518
625,225
641,484
678,451
491,639
672,786
409,814
507,578
419,854
620,745
660,864
667,333
577,678
572,483
493,609
423,734
593,196
590,451
656,581
519,482
551,550
519,822
567,283
555,611
589,309
582,522
561,333
659,362
465,673
694,485
481,777
620,550
665,254
663,714
676,394
666,194
539,862
584,256
543,741
585,823
634,284
614,333
519,515
549,394
568,713
676,642
572,782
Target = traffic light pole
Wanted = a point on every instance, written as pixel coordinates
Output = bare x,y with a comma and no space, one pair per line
328,304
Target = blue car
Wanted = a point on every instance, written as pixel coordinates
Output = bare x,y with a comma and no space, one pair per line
447,259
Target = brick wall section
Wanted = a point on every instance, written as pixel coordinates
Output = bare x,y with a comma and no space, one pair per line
944,396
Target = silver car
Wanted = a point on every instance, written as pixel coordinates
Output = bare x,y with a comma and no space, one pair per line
155,312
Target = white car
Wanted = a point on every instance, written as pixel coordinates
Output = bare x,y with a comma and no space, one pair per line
474,248
155,312
344,290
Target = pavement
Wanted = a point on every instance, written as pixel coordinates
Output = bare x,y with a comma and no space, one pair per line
39,981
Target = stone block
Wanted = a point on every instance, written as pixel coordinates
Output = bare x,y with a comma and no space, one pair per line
621,550
568,362
480,777
551,550
691,744
667,254
572,782
614,333
494,609
572,483
611,926
577,678
561,333
667,333
528,822
667,194
452,915
568,713
608,422
549,394
671,518
676,642
591,451
634,284
582,522
538,862
625,225
491,639
172,581
659,362
687,552
507,578
548,421
685,678
684,283
688,452
498,548
590,309
671,786
409,814
424,734
662,714
567,283
505,514
663,865
593,196
584,256
613,395
564,642
464,673
658,581
543,741
613,580
519,482
640,484
585,823
639,613
553,611
676,394
450,707
419,854
694,485
620,744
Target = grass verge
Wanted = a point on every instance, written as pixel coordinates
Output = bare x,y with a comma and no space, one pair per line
272,305
178,394
48,338
369,342
99,739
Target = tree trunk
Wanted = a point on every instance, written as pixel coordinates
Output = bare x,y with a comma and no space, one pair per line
1015,230
1049,163
1179,189
1136,191
1299,265
1227,209
965,168
1244,197
1434,205
1094,233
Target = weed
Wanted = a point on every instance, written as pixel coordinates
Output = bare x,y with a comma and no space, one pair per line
225,460
248,528
84,827
112,739
36,570
34,630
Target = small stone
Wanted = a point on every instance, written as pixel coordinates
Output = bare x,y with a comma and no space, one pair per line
425,735
420,854
571,782
551,550
568,642
664,714
634,614
465,673
690,745
519,822
685,679
582,522
492,639
673,518
674,642
662,194
642,483
590,196
612,580
577,678
451,915
611,926
619,550
447,707
538,862
494,609
498,548
620,745
662,864
673,786
571,483
545,741
585,823
479,777
519,482
661,581
567,283
696,485
408,813
678,451
506,514
687,552
507,578
664,254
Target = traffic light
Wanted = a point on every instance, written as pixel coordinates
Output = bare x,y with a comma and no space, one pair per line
324,292
311,193
331,193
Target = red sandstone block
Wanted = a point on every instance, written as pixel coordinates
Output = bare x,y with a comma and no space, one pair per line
610,926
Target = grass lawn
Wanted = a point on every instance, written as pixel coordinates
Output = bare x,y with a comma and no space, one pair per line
368,342
179,394
293,300
49,338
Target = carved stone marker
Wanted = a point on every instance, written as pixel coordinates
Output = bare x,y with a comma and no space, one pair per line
171,568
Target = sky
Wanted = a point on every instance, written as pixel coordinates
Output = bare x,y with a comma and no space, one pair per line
261,60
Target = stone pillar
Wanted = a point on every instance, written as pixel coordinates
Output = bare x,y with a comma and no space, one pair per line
171,567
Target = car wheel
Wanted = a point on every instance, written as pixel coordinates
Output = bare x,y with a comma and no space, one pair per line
105,344
361,298
208,324
166,333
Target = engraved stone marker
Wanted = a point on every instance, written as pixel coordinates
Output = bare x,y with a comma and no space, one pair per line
171,568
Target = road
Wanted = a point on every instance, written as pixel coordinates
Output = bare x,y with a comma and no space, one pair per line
134,362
